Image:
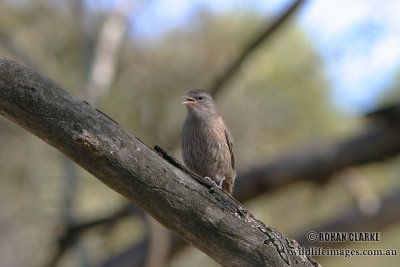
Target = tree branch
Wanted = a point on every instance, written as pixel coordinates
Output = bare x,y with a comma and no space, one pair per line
378,142
202,214
250,47
74,231
380,139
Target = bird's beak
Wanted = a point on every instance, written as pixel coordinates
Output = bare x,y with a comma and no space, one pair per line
189,100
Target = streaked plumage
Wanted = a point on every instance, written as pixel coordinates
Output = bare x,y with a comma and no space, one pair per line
206,142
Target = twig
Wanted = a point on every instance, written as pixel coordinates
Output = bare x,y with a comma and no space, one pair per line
220,81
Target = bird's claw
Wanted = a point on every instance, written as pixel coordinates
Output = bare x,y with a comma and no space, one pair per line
219,185
220,182
211,181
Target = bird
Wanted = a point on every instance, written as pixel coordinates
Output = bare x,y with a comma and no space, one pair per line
206,142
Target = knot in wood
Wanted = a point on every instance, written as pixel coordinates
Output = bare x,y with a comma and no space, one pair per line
88,141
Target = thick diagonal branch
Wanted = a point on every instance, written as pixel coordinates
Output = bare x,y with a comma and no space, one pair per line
203,215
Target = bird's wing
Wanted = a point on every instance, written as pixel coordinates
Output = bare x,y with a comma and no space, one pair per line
228,138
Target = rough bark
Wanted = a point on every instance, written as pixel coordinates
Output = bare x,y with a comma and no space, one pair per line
202,214
380,140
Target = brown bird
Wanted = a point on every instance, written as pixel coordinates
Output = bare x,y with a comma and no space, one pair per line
206,142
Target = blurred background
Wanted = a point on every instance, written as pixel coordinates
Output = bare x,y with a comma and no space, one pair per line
312,103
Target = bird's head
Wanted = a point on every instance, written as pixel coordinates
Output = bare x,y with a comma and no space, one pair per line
199,103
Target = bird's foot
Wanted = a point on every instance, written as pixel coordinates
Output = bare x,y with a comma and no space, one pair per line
220,182
211,181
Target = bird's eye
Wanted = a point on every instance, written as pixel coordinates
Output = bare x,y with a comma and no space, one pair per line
200,98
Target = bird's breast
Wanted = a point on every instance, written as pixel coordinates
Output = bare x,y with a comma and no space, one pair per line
204,148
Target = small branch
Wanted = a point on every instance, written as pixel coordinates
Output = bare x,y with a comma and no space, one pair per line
250,47
73,232
208,218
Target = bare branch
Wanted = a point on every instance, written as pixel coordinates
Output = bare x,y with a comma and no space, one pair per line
378,142
73,232
250,47
381,139
190,206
